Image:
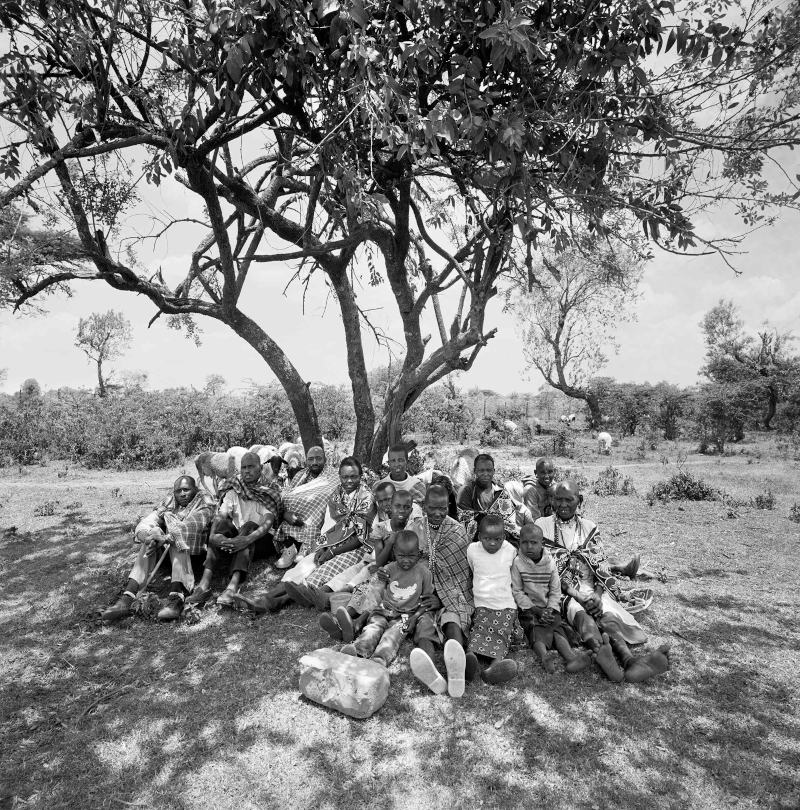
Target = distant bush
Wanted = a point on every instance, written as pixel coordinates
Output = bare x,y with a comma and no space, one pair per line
564,473
683,486
765,500
512,473
45,509
610,481
794,513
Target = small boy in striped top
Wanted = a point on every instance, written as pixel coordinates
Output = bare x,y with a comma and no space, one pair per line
537,591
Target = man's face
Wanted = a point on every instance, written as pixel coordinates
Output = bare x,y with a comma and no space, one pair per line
184,491
484,473
530,545
436,509
397,463
566,503
315,460
402,504
492,538
250,469
545,473
383,498
350,478
406,555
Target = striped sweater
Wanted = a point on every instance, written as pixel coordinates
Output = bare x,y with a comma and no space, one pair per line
535,584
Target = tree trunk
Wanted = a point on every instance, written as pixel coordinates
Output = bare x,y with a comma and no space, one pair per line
293,384
593,403
772,407
101,384
389,431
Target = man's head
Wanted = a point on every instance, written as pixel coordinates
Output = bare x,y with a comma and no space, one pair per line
436,503
491,533
567,499
483,469
184,489
397,461
402,504
315,460
545,470
406,549
250,468
530,542
383,497
350,473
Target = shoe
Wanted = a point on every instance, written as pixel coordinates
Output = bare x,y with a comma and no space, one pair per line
258,604
345,622
197,597
331,626
299,593
632,568
349,649
500,671
227,598
455,662
287,558
472,669
322,599
173,609
425,671
120,609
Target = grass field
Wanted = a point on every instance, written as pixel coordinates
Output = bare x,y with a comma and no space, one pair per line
209,715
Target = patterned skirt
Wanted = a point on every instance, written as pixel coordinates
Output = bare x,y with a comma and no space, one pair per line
328,570
492,631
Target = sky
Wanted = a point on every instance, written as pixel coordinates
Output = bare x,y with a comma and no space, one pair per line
663,343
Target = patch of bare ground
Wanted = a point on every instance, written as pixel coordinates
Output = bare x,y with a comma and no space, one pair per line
209,716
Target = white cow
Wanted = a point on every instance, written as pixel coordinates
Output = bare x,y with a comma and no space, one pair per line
509,426
604,441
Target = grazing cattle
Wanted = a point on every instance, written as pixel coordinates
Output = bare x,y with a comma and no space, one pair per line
568,419
604,441
213,466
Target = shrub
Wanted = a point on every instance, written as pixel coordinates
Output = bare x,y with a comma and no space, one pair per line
683,486
794,513
765,500
564,473
503,474
610,481
45,509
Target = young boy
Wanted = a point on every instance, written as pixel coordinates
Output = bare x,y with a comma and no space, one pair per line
535,494
405,581
537,591
383,492
398,474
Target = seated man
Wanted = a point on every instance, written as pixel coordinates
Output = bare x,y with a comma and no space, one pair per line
247,514
182,521
590,597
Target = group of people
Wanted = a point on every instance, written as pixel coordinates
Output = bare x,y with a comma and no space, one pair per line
408,557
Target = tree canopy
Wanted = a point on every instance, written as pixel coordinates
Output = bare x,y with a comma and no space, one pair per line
424,143
103,337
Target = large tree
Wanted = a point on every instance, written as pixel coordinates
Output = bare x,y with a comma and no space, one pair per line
103,337
763,363
443,134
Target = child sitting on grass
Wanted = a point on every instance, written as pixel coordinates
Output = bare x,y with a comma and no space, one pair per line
405,581
495,609
537,591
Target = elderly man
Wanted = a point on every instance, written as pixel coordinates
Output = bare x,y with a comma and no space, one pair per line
590,596
482,496
306,495
247,513
180,521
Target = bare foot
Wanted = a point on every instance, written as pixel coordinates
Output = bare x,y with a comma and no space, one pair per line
549,665
648,666
579,662
606,661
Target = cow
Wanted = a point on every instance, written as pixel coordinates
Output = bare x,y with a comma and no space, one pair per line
604,441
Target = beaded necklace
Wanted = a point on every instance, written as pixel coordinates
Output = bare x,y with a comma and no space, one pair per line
431,543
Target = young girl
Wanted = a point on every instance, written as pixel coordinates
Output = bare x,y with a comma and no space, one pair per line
495,609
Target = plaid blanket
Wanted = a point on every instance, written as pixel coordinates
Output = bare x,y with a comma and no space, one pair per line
514,512
187,527
267,495
308,497
452,576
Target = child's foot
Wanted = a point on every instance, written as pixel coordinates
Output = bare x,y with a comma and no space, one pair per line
549,665
301,594
606,661
331,626
472,668
349,649
500,671
455,662
579,662
345,622
424,670
648,666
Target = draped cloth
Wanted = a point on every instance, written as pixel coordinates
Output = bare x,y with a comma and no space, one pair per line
452,576
186,526
581,562
503,502
308,497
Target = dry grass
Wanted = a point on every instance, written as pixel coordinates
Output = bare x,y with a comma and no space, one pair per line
208,716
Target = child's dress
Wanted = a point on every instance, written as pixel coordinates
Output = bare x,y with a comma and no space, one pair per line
495,608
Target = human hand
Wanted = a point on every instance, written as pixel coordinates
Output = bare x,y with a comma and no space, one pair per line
548,616
411,625
383,575
372,568
323,555
430,601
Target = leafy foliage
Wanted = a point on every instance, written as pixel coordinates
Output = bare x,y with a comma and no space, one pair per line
611,481
683,486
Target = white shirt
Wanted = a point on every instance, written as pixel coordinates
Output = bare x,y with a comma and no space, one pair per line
242,510
491,576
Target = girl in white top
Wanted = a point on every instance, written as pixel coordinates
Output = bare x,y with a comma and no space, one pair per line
490,559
